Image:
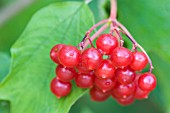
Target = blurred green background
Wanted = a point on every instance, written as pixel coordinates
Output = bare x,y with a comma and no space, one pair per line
148,21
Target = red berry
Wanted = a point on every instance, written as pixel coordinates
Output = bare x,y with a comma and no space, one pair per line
106,43
125,75
105,70
121,57
91,58
84,80
54,52
147,81
82,69
105,84
122,91
126,101
139,61
98,95
65,74
69,56
59,88
140,94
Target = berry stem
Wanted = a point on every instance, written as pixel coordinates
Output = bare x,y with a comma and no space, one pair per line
113,11
96,34
87,35
120,37
93,27
127,33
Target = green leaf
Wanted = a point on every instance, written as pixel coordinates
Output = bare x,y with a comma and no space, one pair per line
4,65
27,85
97,7
18,21
4,106
23,16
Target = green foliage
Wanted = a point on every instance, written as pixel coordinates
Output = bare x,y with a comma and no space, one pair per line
26,88
4,65
4,106
27,85
12,28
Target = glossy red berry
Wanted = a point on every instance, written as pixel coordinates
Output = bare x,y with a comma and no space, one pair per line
125,75
122,91
54,52
65,74
106,43
126,101
69,56
105,85
140,94
147,81
97,95
84,80
59,88
139,61
121,57
105,70
91,58
82,69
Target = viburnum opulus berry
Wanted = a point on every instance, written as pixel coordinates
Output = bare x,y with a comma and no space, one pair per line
126,101
106,43
54,52
59,88
105,84
147,82
121,57
139,61
125,75
84,80
106,68
69,56
123,91
91,58
65,74
97,95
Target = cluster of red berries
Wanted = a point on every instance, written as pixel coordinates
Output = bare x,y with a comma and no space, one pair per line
109,69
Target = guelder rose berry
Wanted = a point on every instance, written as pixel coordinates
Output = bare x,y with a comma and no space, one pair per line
140,94
82,68
54,52
98,95
122,91
139,61
126,101
65,74
105,84
106,43
147,81
105,70
91,58
59,88
69,56
121,57
125,75
84,80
